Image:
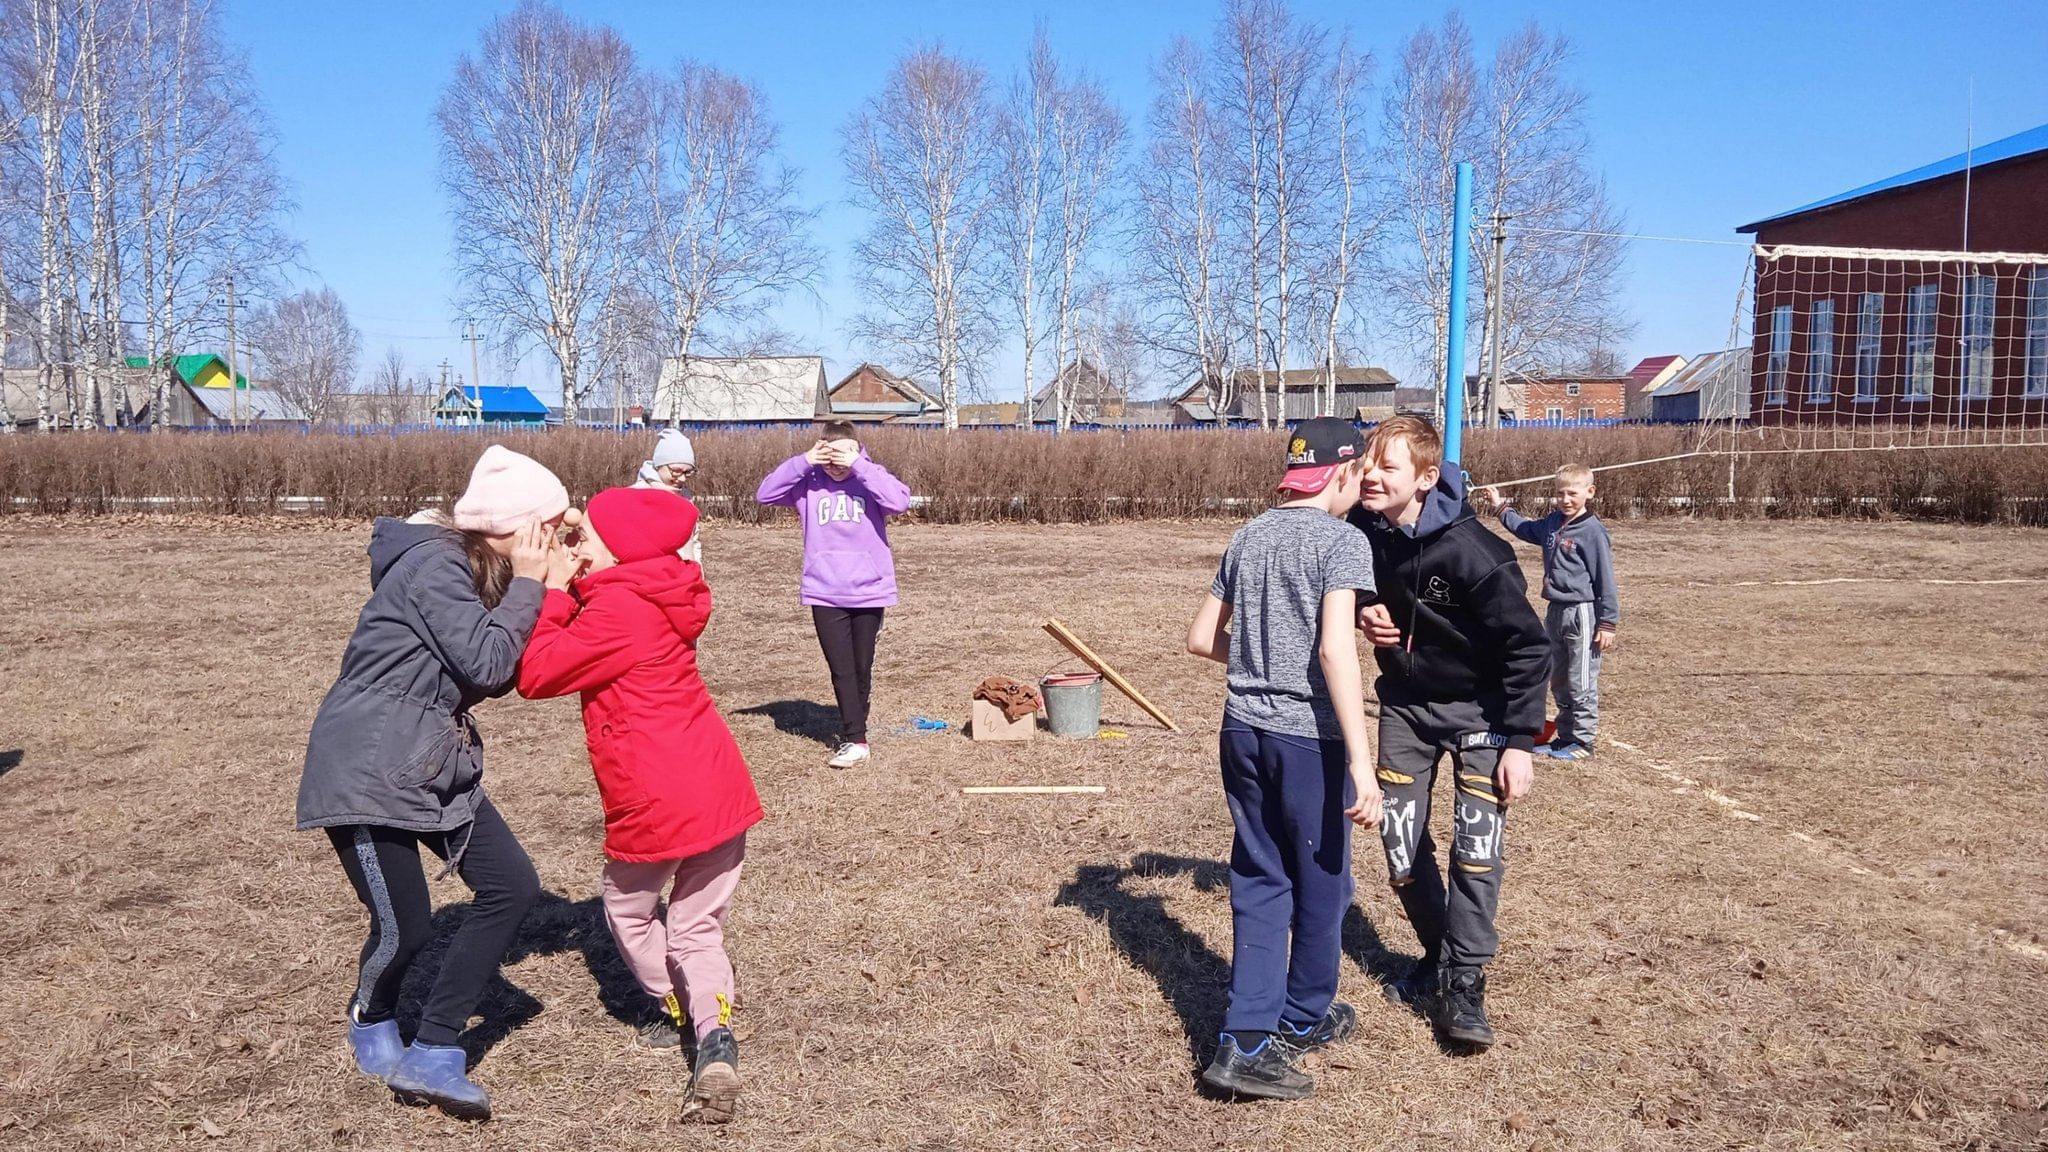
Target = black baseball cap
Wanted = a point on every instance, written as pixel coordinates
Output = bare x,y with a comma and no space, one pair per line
1315,449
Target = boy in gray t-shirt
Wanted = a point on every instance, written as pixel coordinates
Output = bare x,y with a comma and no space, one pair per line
1297,759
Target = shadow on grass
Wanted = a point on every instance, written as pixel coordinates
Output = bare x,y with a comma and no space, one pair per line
806,718
1194,979
9,761
554,926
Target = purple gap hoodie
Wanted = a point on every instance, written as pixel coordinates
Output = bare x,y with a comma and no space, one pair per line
846,539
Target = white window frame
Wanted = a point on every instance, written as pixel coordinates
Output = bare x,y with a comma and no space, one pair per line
2037,333
1820,353
1869,346
1923,308
1778,364
1588,413
1980,317
1553,414
1571,389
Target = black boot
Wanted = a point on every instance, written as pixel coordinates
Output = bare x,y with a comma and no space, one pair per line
1416,990
715,1082
1267,1071
1336,1026
1461,1008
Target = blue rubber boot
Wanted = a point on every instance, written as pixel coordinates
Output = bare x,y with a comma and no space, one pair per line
377,1047
436,1074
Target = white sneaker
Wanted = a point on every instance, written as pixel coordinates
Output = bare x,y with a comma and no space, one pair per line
850,755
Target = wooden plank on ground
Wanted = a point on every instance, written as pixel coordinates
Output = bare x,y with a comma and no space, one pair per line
1036,790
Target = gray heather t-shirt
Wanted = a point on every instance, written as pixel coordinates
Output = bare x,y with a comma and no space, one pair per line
1274,577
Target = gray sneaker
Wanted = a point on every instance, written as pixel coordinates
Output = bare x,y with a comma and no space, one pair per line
715,1082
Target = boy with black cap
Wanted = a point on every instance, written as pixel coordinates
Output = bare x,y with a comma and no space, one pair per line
1296,755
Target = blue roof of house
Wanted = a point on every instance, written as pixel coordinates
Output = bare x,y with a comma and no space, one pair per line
2011,148
512,401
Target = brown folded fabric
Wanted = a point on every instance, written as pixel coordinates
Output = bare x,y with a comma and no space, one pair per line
1016,700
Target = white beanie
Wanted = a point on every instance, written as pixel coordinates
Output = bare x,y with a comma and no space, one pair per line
672,447
506,490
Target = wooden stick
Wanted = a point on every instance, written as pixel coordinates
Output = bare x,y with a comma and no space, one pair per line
1036,790
1059,632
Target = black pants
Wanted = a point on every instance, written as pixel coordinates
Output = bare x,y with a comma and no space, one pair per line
384,866
1455,925
848,637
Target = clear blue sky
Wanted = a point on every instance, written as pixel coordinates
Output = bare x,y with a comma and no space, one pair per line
1704,117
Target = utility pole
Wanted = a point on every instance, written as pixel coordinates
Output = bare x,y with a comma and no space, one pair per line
1495,311
476,374
234,393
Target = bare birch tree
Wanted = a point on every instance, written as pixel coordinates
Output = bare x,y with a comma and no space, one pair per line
1431,116
1024,146
1176,229
1087,149
308,348
919,156
1562,267
725,236
1347,227
1521,122
1243,47
539,138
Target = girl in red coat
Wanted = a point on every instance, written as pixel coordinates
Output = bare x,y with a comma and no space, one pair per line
678,799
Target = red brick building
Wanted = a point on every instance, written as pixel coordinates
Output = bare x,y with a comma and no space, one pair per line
1553,398
1904,336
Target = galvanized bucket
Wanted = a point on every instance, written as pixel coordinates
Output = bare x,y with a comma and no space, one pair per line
1073,703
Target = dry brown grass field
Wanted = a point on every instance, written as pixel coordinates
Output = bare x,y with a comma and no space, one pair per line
1796,903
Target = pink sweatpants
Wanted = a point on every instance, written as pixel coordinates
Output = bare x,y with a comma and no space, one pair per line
689,949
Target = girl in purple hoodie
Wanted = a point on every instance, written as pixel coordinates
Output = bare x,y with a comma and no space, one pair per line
844,499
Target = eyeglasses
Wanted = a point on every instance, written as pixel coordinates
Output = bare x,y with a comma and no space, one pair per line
678,472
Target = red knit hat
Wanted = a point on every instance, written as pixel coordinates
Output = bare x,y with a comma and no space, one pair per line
641,523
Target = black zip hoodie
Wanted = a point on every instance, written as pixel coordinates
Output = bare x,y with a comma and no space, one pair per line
1467,630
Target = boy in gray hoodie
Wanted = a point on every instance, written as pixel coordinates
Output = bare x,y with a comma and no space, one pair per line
1584,613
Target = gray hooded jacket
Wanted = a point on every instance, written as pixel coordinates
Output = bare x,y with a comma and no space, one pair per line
393,743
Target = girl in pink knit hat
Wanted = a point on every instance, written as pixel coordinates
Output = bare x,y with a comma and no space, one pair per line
395,764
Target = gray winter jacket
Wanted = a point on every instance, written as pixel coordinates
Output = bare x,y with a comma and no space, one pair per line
393,743
1578,560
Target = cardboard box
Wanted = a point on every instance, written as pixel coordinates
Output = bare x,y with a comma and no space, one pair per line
989,723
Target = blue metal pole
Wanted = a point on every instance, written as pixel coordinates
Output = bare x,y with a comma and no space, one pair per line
1454,340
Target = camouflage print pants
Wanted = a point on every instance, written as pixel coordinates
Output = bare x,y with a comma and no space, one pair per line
1455,926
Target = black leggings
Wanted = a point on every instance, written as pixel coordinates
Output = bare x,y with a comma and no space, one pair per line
384,866
848,637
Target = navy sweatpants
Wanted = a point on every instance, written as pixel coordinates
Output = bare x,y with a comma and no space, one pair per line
1290,876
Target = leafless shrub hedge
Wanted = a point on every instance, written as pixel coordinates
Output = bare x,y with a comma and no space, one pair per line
985,475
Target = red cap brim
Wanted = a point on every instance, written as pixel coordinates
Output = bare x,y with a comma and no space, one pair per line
1308,481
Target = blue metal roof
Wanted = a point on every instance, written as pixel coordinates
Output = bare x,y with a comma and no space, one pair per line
2012,147
510,401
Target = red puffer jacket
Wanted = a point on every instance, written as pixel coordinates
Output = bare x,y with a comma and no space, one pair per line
672,779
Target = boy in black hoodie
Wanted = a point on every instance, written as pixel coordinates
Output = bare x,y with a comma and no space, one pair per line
1463,665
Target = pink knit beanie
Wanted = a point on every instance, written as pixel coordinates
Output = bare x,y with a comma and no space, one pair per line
506,490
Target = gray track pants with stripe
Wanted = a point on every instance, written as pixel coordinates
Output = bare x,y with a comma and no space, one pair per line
1574,671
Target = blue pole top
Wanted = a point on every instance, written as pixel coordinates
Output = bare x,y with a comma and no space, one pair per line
1454,340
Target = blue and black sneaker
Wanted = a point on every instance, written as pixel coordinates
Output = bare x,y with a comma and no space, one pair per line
1265,1071
1336,1026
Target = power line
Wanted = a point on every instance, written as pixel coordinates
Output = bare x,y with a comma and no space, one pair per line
1633,236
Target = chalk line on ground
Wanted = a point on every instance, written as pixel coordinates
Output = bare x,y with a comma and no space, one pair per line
1833,854
1860,580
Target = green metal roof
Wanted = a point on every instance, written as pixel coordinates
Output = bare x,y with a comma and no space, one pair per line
189,366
